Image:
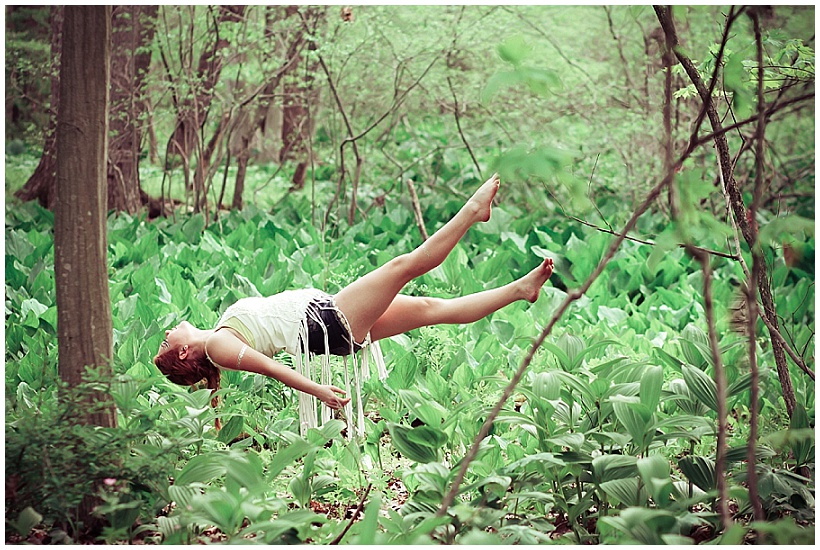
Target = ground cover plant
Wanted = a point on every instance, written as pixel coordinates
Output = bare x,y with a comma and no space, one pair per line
632,403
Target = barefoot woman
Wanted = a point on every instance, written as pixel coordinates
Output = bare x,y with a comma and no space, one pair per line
253,330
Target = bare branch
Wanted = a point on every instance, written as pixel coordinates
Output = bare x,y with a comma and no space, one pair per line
355,515
460,131
417,210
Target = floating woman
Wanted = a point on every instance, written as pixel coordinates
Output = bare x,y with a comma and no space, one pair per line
253,330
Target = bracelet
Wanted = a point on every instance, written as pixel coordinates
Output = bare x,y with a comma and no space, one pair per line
241,354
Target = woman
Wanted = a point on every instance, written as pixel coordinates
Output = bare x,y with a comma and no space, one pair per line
252,330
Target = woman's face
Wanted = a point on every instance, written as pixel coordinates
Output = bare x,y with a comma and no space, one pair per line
177,337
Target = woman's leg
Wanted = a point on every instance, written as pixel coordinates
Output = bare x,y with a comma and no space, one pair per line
410,312
366,299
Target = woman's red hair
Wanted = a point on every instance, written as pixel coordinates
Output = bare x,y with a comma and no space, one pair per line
189,371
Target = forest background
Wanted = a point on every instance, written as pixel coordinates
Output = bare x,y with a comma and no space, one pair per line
660,391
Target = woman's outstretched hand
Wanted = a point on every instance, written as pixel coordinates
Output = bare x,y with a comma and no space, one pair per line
328,396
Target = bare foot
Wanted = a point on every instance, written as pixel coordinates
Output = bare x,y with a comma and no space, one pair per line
532,282
482,200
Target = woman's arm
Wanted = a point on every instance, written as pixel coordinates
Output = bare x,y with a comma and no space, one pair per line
224,348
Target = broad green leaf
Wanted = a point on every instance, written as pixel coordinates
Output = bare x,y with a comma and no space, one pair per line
547,386
700,470
651,386
184,495
802,447
427,410
427,435
26,521
701,385
370,523
625,491
791,228
414,450
203,468
571,440
666,241
609,467
635,417
736,80
285,457
655,472
694,344
514,50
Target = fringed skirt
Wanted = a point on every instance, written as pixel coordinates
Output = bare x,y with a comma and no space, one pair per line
327,332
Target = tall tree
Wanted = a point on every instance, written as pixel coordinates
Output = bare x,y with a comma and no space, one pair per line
193,107
300,94
41,184
255,120
84,325
132,30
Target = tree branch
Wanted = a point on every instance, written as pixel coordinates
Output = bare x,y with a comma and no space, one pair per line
732,189
417,210
460,131
650,243
358,511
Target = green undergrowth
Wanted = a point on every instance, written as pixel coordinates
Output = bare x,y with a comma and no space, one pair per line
610,436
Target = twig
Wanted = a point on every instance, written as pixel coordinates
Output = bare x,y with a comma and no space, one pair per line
353,519
720,389
732,189
460,131
417,210
650,243
751,298
796,358
775,108
571,297
589,191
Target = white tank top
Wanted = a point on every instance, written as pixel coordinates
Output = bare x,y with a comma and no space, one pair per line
275,322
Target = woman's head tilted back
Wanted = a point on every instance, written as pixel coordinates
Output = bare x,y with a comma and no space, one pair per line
185,364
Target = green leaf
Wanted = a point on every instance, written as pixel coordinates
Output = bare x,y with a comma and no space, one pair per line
370,523
26,521
231,429
701,385
655,472
286,456
609,467
700,470
203,468
428,411
635,417
547,386
651,386
788,228
736,79
625,491
694,344
802,447
514,50
666,241
418,451
427,435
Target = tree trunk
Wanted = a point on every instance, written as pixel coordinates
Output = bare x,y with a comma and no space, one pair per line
241,170
132,30
249,126
84,326
732,190
42,183
192,112
300,95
